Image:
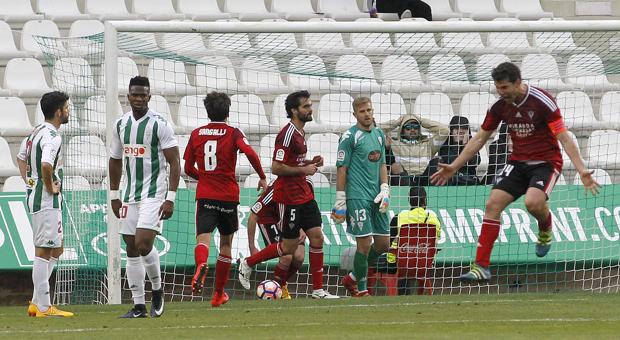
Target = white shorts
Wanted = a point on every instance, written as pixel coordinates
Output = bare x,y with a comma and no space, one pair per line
143,215
47,228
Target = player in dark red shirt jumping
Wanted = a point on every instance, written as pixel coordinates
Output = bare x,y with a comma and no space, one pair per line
213,148
535,125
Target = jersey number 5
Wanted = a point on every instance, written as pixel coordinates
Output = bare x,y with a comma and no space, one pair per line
210,156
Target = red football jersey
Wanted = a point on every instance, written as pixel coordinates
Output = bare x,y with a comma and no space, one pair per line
265,208
213,148
291,149
533,125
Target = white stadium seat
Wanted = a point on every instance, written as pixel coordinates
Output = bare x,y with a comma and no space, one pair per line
169,77
294,10
525,9
587,72
541,70
237,43
610,109
372,43
249,10
87,156
308,72
442,10
435,106
401,73
201,10
7,166
43,28
416,43
447,71
17,11
601,176
95,114
354,73
14,119
8,49
108,10
187,44
61,10
336,111
484,66
24,77
160,105
156,10
261,75
463,42
556,42
247,113
276,43
330,43
604,149
326,145
576,109
319,180
85,28
216,72
474,106
478,9
14,184
510,42
387,106
126,70
341,10
266,147
192,113
73,76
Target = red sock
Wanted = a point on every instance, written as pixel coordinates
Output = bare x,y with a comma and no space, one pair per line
488,235
201,254
270,252
279,273
222,270
316,267
292,270
546,224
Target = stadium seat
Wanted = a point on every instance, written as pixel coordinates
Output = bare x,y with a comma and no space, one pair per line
94,117
8,49
232,43
201,10
216,73
262,75
43,28
525,9
478,9
187,44
435,106
86,156
576,109
326,145
249,10
341,10
474,106
279,119
463,42
251,182
372,43
541,70
168,77
556,42
156,10
14,184
319,180
416,43
108,10
610,109
75,183
324,43
73,76
17,11
400,73
308,72
160,105
604,149
127,69
14,119
354,73
510,42
266,148
192,113
85,28
387,106
24,77
447,71
601,176
247,113
7,166
276,44
336,112
294,10
587,72
61,10
442,10
484,66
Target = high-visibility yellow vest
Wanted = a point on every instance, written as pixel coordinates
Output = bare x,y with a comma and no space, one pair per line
418,216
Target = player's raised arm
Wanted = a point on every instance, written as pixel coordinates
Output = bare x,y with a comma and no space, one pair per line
572,151
446,171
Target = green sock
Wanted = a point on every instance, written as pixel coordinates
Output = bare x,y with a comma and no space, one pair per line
372,258
360,270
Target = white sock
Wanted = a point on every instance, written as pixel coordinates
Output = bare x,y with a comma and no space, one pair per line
135,279
50,269
41,284
153,269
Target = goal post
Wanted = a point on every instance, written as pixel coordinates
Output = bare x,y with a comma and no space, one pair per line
431,70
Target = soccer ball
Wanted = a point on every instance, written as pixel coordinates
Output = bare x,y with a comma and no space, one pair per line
269,290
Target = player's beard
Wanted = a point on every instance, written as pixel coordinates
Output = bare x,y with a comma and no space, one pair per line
306,118
64,119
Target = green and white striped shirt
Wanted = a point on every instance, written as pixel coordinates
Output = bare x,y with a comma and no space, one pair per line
42,146
140,144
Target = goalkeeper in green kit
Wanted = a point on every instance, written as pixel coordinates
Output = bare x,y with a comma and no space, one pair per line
362,194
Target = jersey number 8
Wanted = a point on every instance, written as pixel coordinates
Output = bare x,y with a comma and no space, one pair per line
210,156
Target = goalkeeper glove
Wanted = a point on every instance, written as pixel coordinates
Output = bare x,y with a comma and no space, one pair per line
339,212
383,198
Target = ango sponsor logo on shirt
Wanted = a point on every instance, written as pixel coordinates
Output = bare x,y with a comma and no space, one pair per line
136,151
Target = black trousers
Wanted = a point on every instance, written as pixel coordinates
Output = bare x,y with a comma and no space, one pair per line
418,8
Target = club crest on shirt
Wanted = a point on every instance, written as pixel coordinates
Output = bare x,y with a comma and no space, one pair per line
374,156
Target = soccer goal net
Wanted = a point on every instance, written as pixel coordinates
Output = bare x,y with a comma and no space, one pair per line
425,72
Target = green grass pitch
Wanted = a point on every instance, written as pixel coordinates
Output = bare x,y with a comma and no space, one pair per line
514,316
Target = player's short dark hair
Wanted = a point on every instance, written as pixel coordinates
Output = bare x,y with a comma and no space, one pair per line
506,71
139,81
417,197
52,102
217,105
293,101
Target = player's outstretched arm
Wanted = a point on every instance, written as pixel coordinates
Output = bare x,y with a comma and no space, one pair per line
172,157
115,167
446,171
572,151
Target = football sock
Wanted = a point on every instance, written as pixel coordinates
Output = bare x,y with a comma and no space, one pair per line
50,269
201,254
545,225
488,235
41,284
135,278
293,268
270,252
153,268
280,273
360,270
316,267
373,255
222,270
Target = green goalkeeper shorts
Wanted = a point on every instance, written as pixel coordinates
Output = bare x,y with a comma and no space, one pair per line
364,219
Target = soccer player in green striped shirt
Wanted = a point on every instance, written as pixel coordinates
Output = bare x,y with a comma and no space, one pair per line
362,194
143,142
40,165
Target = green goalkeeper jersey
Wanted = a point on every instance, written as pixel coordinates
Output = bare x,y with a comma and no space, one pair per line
363,153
